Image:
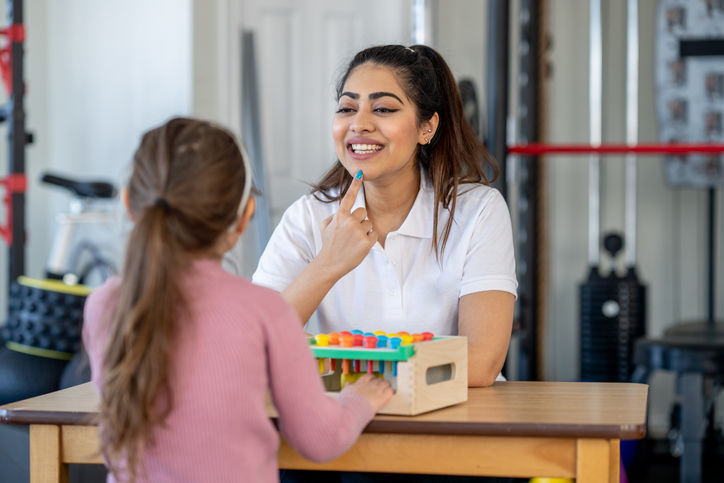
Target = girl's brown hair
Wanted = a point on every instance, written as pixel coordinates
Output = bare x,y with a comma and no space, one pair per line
454,155
184,193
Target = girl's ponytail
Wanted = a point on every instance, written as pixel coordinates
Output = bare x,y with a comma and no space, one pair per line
185,191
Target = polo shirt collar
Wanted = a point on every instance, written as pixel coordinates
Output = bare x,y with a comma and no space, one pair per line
419,220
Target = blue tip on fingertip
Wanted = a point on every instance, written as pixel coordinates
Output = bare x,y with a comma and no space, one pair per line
359,174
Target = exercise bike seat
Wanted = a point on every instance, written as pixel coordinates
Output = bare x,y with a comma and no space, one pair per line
83,189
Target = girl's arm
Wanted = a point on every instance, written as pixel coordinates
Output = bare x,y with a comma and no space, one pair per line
486,318
319,427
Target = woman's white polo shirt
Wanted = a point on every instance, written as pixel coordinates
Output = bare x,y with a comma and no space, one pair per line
402,286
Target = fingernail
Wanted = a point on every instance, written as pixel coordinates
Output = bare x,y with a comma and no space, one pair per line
359,174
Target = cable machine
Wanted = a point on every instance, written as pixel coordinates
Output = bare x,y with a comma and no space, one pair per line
15,183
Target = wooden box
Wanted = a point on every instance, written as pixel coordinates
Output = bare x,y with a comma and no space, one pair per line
430,375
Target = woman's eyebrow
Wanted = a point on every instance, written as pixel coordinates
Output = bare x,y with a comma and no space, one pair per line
374,95
377,95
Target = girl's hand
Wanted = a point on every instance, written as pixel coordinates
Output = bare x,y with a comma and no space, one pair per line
347,236
375,389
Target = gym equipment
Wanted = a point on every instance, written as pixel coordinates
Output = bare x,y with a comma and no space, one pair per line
11,68
613,316
42,333
88,205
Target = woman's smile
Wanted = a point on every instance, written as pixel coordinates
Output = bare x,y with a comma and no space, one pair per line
363,148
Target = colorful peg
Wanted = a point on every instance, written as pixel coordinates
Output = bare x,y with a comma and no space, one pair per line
370,342
333,340
358,341
406,339
346,341
394,344
322,341
417,338
381,344
427,336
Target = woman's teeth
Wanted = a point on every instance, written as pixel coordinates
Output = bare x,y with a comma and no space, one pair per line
365,148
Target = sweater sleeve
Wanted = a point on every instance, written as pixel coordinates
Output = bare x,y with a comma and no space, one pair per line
318,426
96,318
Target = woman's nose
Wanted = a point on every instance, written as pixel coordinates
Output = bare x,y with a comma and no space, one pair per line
361,123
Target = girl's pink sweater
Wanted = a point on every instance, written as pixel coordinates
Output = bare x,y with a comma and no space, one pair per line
239,342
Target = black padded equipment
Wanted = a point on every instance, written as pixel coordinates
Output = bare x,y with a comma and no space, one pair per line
84,189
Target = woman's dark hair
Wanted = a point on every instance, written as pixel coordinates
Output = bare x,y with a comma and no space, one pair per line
184,193
454,155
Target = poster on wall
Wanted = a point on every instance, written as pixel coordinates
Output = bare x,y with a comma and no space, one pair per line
690,87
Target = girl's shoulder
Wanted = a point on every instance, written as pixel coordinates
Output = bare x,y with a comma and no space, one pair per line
105,293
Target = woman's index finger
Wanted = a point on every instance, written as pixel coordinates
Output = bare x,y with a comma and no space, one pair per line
350,196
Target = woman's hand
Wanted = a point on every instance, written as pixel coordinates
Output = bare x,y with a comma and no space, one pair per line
347,236
375,389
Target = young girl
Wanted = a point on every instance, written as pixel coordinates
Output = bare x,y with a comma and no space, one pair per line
183,353
404,231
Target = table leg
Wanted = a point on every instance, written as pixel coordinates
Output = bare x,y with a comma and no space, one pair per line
598,460
46,464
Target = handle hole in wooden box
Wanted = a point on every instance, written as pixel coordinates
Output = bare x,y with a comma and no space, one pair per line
441,373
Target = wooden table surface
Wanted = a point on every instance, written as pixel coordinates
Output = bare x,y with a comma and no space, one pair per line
566,418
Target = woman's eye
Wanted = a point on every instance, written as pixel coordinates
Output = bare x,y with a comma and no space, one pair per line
385,110
343,110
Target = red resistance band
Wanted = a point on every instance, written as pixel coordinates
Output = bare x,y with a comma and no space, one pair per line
14,183
653,148
14,33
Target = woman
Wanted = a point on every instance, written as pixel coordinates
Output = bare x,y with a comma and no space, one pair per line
403,233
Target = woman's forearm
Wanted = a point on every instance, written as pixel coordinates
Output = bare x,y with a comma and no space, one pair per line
486,318
306,292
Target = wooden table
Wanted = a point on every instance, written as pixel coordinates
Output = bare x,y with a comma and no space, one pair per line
518,429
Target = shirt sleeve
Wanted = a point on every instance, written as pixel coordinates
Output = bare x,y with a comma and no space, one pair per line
490,260
290,248
320,427
96,319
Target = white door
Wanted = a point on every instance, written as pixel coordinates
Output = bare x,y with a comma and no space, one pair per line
302,46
